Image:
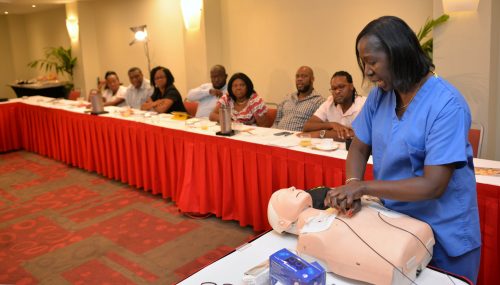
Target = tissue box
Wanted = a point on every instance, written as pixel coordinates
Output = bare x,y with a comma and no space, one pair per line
287,268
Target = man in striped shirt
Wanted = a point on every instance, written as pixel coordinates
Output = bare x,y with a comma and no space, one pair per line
300,105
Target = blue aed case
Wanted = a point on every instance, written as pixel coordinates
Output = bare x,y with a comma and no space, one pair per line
287,268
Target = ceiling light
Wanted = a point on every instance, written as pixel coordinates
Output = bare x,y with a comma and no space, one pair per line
34,6
6,12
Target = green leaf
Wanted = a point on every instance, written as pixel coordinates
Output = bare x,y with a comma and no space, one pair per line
427,43
58,59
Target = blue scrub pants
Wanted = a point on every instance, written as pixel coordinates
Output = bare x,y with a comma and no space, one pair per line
466,265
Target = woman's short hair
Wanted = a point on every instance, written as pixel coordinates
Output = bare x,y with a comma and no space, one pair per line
408,63
348,77
166,71
245,79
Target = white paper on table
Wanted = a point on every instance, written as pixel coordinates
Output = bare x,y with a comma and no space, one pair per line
288,141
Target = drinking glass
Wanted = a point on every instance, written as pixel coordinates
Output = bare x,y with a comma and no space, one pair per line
305,140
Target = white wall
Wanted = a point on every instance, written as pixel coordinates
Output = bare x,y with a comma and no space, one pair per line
6,69
112,20
26,38
466,54
235,33
104,39
45,29
494,112
269,40
19,46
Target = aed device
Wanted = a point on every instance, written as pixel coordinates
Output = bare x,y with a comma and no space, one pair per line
287,268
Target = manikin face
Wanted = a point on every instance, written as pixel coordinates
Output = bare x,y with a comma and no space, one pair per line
239,88
285,206
341,90
135,78
218,78
304,79
376,62
112,83
290,202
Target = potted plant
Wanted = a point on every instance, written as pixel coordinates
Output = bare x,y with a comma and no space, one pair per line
59,59
427,44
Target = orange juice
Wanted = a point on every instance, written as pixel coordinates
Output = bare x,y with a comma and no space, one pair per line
305,142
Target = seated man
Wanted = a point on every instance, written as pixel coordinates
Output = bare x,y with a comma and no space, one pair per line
377,245
333,119
139,90
299,106
208,94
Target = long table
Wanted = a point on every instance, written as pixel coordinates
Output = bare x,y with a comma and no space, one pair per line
259,250
232,178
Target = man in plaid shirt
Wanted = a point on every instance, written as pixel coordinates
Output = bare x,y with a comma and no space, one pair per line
300,105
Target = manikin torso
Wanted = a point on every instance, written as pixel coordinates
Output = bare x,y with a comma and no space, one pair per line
365,247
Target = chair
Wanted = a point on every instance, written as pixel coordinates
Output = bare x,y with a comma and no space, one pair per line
271,116
191,107
272,109
73,95
272,105
476,138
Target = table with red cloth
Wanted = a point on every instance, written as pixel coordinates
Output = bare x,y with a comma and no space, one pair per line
232,179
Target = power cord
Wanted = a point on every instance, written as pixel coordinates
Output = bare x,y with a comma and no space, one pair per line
428,251
381,256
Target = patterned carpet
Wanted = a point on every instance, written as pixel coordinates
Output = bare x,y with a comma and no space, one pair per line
63,225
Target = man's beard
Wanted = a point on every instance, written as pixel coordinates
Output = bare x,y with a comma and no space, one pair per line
304,88
218,87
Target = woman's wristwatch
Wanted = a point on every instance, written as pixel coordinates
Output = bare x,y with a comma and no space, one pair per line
322,133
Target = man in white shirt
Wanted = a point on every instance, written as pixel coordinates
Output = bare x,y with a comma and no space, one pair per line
334,117
208,94
139,90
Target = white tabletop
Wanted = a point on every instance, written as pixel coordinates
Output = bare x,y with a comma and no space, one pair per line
230,268
253,134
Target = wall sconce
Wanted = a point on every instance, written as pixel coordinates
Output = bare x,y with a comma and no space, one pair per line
191,12
460,5
72,27
141,35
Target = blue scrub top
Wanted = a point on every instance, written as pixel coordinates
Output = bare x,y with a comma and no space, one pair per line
432,131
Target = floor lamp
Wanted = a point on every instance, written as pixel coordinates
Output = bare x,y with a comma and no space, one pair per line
141,35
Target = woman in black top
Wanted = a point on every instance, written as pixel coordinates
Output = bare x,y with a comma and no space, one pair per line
166,98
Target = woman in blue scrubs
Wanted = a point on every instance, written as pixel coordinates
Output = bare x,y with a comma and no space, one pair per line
415,126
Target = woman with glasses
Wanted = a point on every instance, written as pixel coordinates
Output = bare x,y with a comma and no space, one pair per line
166,98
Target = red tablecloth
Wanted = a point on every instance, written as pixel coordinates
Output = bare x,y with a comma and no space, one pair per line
232,179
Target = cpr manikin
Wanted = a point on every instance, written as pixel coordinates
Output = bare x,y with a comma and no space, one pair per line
400,245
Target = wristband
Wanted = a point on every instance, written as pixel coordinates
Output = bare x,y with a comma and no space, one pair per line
349,180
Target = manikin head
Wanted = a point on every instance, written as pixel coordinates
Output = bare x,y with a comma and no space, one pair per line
285,207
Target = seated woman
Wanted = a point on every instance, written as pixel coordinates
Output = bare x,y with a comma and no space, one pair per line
247,107
113,93
166,98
